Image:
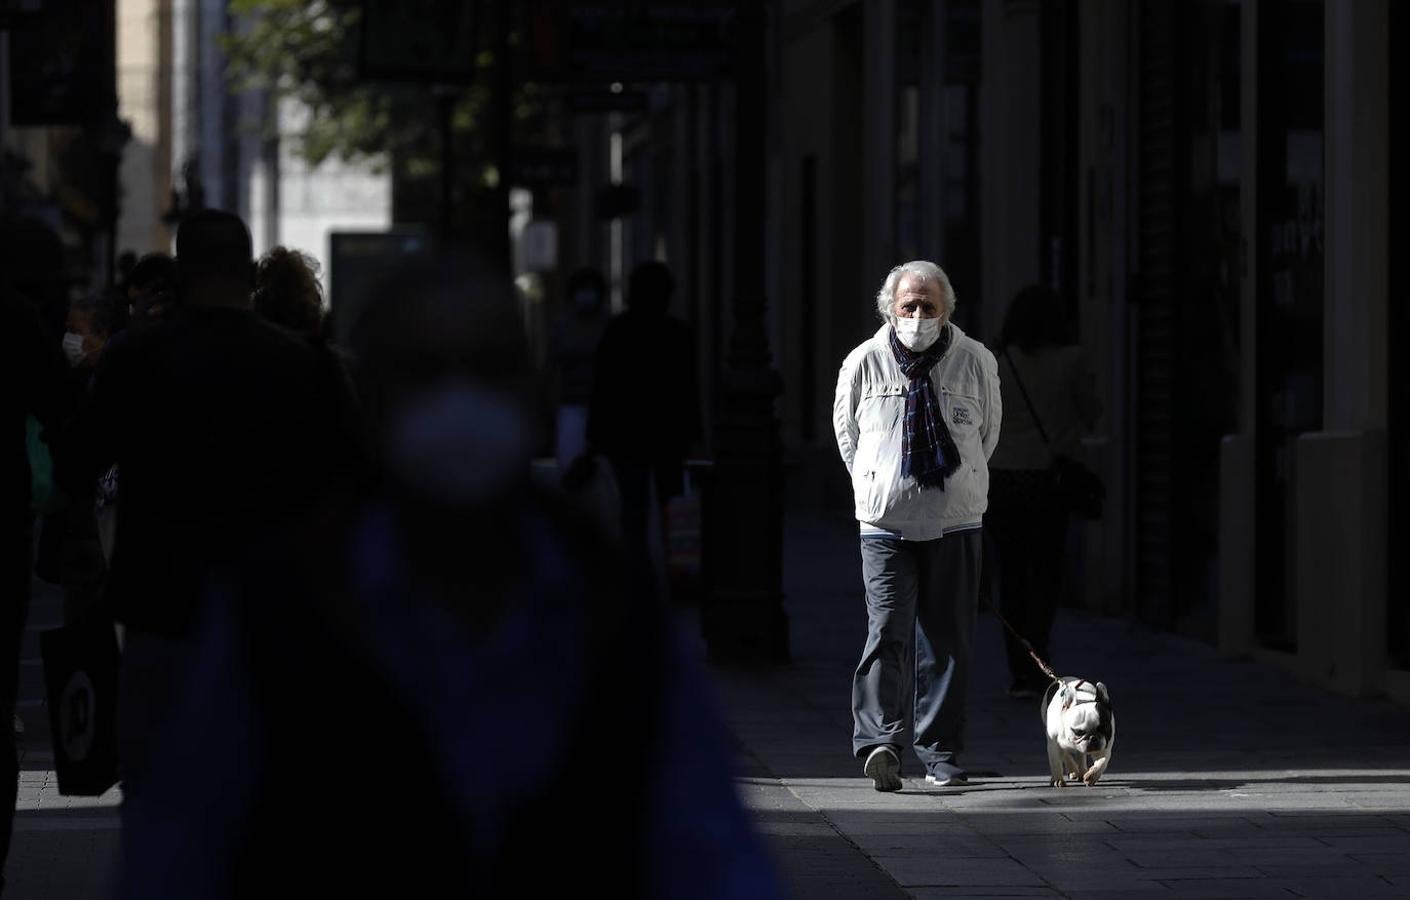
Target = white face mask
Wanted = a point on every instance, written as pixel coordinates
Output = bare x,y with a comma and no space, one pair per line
918,334
73,347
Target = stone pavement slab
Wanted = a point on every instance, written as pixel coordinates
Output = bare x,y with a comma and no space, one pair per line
1215,789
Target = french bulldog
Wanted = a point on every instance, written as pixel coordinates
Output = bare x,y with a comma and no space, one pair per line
1080,724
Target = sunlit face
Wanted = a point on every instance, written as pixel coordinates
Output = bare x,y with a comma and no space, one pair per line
917,298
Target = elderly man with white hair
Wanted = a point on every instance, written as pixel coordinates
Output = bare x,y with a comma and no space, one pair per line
917,415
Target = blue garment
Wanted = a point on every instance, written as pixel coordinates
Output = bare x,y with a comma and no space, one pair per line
503,723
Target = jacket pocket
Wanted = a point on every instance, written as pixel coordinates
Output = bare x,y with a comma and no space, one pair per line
866,477
881,407
970,485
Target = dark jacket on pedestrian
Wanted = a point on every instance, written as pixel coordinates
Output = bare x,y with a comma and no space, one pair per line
645,402
34,380
221,425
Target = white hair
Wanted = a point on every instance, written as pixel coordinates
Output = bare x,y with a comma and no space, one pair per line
917,268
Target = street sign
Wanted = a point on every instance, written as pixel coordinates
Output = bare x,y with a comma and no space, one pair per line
630,41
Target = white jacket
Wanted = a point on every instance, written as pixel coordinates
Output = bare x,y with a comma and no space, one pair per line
868,415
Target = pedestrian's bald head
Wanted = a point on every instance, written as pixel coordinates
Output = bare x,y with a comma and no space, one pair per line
214,258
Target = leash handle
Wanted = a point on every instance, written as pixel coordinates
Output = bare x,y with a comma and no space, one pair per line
1047,669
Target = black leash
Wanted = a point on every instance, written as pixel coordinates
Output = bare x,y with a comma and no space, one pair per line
1047,669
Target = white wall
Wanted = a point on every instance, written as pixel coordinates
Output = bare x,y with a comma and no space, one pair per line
142,73
313,202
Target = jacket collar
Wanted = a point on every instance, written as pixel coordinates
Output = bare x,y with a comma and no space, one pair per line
956,335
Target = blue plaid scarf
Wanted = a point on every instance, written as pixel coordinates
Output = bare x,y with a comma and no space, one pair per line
928,452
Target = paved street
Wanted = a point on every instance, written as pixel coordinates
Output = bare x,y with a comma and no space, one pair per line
64,847
1228,780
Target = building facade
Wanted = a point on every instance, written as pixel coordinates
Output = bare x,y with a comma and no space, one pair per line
1207,185
198,142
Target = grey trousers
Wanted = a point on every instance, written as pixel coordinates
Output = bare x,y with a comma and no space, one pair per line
922,602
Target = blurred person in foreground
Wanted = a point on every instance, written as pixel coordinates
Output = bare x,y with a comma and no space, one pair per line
1026,523
444,671
220,426
917,414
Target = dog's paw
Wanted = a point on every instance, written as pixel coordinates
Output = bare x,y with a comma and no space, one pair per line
1057,782
1098,769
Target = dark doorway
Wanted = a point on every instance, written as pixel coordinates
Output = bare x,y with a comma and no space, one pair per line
960,190
1288,253
1185,341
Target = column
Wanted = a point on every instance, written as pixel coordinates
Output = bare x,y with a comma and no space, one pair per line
742,616
1342,470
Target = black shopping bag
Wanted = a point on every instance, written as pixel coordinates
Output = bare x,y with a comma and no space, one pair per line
80,682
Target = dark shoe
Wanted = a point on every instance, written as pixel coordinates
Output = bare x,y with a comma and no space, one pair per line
883,767
946,775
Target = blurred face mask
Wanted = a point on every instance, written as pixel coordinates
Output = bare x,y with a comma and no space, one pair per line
73,347
917,334
459,444
587,300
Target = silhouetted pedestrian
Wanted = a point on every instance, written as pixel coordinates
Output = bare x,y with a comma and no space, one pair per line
1027,525
220,426
645,409
576,336
288,292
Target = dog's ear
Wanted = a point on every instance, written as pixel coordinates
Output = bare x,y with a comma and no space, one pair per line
1103,697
